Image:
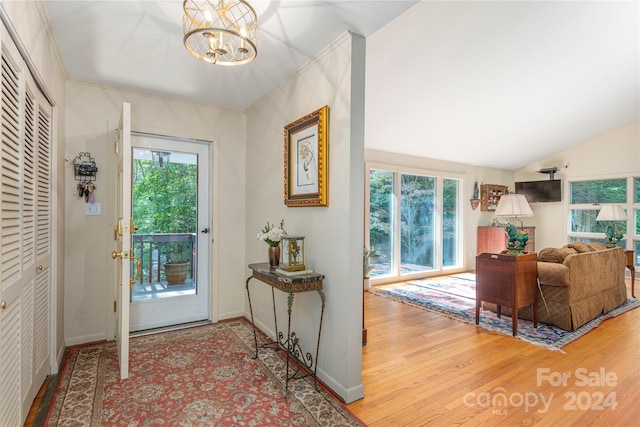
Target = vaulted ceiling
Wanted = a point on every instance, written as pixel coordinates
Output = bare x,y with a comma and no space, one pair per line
573,73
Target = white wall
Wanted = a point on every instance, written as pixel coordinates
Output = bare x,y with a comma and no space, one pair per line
92,116
29,21
616,153
334,234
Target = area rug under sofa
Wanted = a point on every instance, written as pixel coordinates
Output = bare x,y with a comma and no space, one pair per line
454,297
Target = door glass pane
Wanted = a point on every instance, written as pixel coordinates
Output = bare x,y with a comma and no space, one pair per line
417,228
380,221
450,226
165,210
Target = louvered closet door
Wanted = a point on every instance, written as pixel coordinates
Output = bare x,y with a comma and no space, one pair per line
25,237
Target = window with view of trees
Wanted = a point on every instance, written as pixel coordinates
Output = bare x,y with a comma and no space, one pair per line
164,199
164,203
414,222
586,200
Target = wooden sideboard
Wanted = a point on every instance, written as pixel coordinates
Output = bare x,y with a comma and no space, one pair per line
493,240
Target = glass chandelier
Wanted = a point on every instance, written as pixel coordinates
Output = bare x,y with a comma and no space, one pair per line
221,32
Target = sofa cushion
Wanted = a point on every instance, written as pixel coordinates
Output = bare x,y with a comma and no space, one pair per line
555,254
549,255
565,252
553,274
580,247
596,246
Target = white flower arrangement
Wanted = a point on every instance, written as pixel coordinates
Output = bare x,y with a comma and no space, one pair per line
272,234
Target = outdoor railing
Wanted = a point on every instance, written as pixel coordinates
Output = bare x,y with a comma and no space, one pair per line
153,250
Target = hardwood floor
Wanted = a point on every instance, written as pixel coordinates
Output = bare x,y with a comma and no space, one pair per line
423,369
38,411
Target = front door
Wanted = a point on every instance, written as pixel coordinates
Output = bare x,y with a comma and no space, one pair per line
170,193
122,235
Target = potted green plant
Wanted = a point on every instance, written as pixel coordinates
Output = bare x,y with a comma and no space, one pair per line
177,266
367,256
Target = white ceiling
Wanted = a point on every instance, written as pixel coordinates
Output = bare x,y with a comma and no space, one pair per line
503,83
138,45
564,77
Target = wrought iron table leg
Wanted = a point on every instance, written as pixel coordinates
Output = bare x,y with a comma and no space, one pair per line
288,343
315,367
275,318
255,337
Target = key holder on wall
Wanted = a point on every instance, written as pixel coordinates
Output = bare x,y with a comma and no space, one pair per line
84,167
85,170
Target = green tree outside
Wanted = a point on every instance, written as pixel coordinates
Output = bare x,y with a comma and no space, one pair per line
165,200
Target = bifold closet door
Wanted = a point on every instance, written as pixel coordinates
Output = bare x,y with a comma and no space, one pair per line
25,236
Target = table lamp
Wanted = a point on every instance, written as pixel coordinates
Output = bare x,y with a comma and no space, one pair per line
515,206
612,213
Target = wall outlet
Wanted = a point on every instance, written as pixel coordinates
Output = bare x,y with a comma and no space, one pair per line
92,209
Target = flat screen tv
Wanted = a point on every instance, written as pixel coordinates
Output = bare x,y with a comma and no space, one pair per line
541,191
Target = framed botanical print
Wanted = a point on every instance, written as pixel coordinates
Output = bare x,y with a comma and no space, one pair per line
306,159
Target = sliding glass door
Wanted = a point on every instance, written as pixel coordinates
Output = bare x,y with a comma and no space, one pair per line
414,222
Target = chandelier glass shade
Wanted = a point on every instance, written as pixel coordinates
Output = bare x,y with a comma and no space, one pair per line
223,32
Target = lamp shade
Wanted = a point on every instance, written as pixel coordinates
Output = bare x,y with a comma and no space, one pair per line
513,205
611,213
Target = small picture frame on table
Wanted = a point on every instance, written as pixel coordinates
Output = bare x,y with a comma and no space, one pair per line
306,160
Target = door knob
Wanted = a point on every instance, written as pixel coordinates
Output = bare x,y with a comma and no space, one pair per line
3,305
116,254
205,230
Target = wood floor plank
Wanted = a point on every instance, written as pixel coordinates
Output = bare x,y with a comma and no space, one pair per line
423,369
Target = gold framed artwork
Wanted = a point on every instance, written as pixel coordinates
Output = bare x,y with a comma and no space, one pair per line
306,160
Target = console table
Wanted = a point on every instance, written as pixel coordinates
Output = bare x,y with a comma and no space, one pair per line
508,280
291,343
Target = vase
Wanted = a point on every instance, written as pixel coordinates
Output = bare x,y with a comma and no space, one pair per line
176,273
274,256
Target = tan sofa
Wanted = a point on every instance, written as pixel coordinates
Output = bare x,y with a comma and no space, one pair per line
578,282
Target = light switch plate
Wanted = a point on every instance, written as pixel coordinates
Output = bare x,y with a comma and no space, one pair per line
92,209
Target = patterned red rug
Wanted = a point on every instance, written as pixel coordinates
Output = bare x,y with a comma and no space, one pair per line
202,376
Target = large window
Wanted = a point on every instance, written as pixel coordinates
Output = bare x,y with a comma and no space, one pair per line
588,197
414,221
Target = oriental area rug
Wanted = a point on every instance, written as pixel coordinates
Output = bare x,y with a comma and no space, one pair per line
201,376
455,297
